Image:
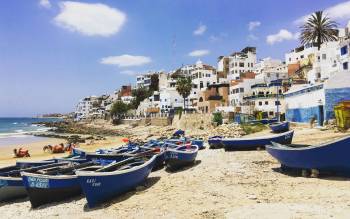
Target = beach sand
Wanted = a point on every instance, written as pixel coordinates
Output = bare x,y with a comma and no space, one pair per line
242,184
37,153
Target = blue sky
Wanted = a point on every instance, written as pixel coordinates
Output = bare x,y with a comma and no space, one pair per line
52,53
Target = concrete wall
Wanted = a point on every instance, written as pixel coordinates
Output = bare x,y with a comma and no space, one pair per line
156,121
302,114
333,97
303,104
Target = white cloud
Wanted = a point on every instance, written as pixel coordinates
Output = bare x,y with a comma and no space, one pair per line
90,19
126,60
252,37
216,38
128,72
198,53
253,24
337,12
45,3
200,29
282,35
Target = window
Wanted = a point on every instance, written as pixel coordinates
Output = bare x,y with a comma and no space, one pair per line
345,66
302,56
248,64
277,75
271,113
290,59
260,103
241,64
344,50
277,103
241,89
251,64
207,84
164,100
201,85
175,100
266,102
268,75
324,56
236,64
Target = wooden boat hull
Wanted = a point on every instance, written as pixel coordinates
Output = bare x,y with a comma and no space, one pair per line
176,158
11,188
328,157
256,142
101,186
43,189
215,142
263,121
279,127
198,142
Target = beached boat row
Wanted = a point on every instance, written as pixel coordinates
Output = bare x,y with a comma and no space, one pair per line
331,157
100,176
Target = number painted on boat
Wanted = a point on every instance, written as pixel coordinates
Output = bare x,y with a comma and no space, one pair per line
35,182
3,183
93,182
173,155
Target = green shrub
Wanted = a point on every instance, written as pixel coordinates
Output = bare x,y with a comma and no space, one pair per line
252,128
217,117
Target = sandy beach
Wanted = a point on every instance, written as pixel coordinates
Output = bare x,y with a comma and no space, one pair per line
37,153
242,184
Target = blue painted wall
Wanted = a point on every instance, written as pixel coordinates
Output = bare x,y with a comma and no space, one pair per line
302,114
333,97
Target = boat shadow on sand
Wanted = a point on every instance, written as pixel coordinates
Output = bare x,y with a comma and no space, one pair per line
293,172
14,201
150,181
180,169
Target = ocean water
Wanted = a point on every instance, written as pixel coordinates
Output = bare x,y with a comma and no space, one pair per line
18,130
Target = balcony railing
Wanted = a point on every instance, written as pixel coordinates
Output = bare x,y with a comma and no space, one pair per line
262,96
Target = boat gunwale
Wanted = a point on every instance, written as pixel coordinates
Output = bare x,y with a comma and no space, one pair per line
115,172
276,145
259,137
184,152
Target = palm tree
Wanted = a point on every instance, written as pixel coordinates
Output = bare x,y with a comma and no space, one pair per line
318,29
184,87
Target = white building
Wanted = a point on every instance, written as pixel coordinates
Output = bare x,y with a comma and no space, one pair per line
266,98
202,76
268,70
169,99
143,80
241,62
300,53
238,89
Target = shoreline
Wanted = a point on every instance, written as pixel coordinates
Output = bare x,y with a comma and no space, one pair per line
240,184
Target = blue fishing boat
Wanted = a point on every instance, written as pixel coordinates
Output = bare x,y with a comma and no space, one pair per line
263,121
55,183
215,142
101,184
279,127
186,140
11,184
327,157
180,156
250,143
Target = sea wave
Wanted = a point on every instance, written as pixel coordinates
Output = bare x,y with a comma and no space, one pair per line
21,133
